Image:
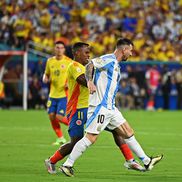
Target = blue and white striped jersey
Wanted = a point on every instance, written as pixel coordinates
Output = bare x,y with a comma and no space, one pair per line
106,78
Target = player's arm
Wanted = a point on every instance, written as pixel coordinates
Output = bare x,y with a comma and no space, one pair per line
89,76
89,71
82,80
45,78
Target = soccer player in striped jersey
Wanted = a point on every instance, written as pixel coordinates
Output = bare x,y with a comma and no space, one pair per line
56,74
102,112
77,111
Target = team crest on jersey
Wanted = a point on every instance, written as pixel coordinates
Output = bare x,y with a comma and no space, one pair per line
62,66
78,70
79,122
98,60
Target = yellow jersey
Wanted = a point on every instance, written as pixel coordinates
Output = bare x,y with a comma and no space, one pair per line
77,94
57,72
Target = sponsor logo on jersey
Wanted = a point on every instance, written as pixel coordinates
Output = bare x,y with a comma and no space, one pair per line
79,122
98,60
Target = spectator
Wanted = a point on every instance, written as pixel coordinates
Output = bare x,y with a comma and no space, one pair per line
178,77
34,99
152,77
124,97
150,23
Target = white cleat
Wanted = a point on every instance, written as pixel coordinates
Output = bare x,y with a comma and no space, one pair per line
67,170
153,161
51,169
134,165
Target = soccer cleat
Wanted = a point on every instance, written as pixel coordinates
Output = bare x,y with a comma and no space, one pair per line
67,170
153,161
60,141
50,167
134,165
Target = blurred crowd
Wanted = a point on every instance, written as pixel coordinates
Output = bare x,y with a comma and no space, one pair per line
11,86
150,87
154,25
147,87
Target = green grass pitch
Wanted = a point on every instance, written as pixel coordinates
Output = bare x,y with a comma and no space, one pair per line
26,137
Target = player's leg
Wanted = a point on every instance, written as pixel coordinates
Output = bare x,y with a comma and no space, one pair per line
76,132
61,111
63,151
97,121
56,127
125,131
79,148
122,146
60,117
52,109
130,162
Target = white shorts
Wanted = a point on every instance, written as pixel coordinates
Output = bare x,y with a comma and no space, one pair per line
100,117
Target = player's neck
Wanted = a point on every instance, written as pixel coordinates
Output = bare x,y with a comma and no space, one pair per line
59,57
78,60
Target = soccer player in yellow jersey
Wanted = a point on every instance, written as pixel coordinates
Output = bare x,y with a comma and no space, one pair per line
56,74
77,107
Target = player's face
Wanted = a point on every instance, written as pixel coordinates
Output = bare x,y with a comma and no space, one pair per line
84,55
59,49
127,52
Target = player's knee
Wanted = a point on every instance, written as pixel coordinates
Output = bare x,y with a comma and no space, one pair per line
59,117
92,137
74,140
72,144
129,133
52,117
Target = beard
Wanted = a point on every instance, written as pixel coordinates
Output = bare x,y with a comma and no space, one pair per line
124,59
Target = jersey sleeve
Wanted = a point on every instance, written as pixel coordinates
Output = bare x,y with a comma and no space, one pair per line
76,70
101,63
47,68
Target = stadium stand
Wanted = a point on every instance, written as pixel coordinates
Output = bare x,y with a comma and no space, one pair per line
154,26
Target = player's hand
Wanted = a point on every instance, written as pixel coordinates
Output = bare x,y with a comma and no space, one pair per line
45,78
91,87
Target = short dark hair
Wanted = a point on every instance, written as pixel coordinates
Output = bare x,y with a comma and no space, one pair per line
79,45
59,42
123,41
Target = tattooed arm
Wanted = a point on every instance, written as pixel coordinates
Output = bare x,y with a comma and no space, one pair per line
89,71
82,79
89,77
